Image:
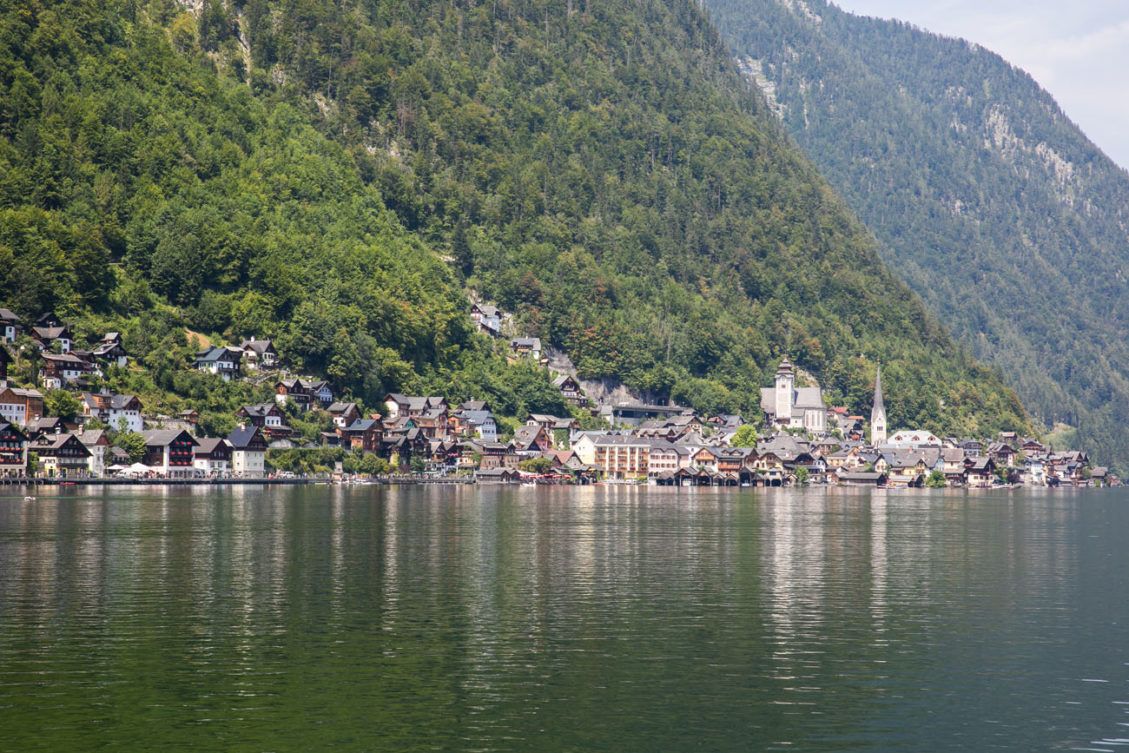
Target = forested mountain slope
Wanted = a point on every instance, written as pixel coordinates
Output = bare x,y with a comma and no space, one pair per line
600,169
986,199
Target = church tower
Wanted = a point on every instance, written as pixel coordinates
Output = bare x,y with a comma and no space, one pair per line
785,392
878,414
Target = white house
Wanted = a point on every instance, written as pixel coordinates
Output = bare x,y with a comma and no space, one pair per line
248,452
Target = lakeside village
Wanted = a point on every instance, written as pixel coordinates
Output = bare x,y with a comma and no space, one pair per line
796,440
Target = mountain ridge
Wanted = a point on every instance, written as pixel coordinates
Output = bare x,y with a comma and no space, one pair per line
984,196
601,172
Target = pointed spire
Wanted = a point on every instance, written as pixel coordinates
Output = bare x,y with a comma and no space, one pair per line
878,403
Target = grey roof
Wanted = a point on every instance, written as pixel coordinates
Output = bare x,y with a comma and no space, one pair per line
208,445
8,316
242,436
258,346
859,476
55,441
477,417
92,436
217,353
162,437
526,342
341,407
362,424
260,410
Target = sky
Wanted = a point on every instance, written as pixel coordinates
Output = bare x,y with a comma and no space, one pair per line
1078,50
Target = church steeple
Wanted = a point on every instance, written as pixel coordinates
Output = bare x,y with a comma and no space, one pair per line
878,414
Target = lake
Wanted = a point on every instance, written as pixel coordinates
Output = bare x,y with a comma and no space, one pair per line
557,619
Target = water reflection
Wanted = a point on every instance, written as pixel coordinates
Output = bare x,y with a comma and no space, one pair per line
599,618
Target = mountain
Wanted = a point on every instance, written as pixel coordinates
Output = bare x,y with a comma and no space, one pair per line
341,173
985,198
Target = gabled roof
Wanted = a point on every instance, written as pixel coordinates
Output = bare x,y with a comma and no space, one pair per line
93,437
257,346
363,425
165,437
242,437
342,407
208,445
7,316
218,353
261,410
50,442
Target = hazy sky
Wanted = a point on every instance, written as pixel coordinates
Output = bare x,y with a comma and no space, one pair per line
1078,50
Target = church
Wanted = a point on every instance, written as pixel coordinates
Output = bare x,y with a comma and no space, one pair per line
789,407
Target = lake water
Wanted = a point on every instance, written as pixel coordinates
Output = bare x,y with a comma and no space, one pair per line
594,619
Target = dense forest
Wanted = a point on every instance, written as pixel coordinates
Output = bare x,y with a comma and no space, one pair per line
985,197
338,175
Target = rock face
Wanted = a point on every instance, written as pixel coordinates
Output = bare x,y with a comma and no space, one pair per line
985,197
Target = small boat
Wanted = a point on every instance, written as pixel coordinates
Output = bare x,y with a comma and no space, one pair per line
29,499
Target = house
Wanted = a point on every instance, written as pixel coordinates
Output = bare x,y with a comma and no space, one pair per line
1099,475
526,347
19,406
972,448
52,333
5,359
62,369
979,472
111,351
952,464
617,456
212,456
294,391
60,456
365,434
343,414
787,406
532,440
248,452
321,392
666,457
498,475
119,412
221,361
1002,452
259,354
13,450
397,406
570,390
860,478
45,425
908,467
98,445
487,318
478,423
10,326
268,417
170,452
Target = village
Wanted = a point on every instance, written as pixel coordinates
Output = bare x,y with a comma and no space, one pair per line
797,439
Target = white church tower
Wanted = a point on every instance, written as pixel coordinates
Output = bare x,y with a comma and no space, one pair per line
878,414
785,392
